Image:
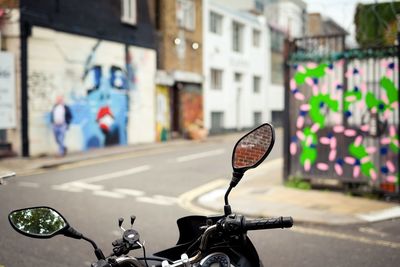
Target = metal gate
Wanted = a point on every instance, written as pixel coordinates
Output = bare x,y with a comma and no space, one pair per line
342,112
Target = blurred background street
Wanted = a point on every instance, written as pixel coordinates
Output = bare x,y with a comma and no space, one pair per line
113,108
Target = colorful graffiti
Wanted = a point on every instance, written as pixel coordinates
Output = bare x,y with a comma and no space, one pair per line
102,113
359,114
163,115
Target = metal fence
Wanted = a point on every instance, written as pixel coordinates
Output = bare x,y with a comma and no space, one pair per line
342,109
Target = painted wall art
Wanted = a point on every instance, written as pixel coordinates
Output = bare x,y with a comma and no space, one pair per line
344,120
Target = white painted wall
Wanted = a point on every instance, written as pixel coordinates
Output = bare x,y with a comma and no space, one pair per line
286,15
55,67
252,61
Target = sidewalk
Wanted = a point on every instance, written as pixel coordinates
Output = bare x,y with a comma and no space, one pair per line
261,194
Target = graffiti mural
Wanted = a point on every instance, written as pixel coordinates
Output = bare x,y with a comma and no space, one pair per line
163,116
346,120
108,94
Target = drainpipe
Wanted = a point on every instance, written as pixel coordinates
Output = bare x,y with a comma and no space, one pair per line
24,34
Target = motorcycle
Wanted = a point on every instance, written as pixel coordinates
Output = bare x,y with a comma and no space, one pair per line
204,241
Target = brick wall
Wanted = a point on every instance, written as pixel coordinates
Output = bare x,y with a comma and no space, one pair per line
169,31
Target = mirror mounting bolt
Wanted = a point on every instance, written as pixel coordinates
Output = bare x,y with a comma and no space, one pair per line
236,176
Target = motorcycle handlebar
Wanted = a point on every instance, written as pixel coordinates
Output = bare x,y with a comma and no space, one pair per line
268,223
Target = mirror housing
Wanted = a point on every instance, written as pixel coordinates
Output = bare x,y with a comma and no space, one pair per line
251,150
39,222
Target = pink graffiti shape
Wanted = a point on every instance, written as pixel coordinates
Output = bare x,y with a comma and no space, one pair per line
333,143
373,175
364,128
332,155
363,88
307,165
387,114
358,140
351,98
338,169
309,141
293,148
350,160
392,131
356,171
311,65
315,89
325,140
322,166
385,141
390,166
365,160
391,179
301,68
309,81
299,96
300,135
305,107
315,128
371,150
292,84
338,128
350,133
324,89
300,122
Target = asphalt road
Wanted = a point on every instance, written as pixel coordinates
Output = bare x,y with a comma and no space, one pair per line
93,195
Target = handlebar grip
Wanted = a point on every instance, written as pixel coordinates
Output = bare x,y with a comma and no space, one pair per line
268,223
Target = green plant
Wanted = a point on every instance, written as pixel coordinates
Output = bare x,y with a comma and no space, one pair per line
298,183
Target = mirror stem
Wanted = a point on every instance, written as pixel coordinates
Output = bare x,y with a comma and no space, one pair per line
71,232
99,254
227,207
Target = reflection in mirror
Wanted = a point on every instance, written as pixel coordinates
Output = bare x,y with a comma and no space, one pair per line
41,222
253,147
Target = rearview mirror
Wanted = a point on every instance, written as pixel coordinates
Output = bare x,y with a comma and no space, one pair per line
253,148
38,222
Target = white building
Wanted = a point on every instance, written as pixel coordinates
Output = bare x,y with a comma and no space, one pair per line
234,65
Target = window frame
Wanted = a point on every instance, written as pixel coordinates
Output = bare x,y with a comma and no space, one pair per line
216,79
129,12
215,23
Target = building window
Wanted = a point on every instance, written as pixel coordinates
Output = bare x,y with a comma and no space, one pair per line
256,84
186,14
129,12
277,40
257,118
216,79
217,122
238,77
256,38
215,23
237,37
277,67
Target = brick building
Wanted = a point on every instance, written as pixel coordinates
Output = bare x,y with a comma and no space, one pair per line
179,62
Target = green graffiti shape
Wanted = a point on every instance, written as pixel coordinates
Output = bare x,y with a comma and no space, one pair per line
391,92
395,148
309,152
347,104
360,152
390,88
315,111
316,72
